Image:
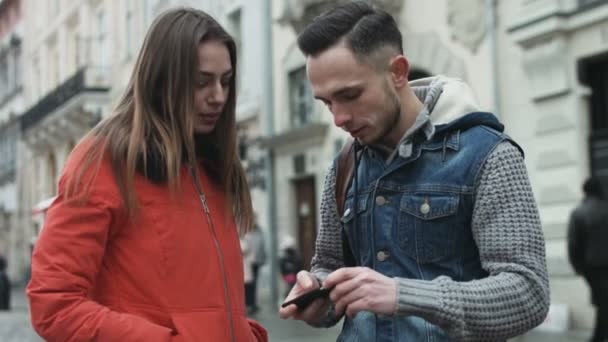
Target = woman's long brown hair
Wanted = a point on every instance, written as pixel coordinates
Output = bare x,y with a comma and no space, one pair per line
152,128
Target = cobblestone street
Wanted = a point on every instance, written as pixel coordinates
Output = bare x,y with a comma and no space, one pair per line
15,326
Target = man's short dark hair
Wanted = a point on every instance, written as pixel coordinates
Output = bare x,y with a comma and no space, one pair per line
593,188
365,30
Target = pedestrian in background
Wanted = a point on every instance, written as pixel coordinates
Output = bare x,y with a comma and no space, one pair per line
247,272
439,238
141,243
257,246
588,252
5,287
290,263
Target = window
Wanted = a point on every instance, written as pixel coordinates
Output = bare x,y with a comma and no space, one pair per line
147,13
36,78
593,72
234,27
4,75
52,172
103,39
8,146
17,66
129,30
55,77
56,7
300,98
416,74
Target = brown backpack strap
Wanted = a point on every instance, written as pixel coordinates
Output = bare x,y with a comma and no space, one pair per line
344,172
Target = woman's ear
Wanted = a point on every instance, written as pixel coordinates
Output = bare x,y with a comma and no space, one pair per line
399,69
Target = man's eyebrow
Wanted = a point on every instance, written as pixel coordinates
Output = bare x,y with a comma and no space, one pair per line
340,91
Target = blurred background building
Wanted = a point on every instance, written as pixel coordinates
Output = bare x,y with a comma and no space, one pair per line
540,65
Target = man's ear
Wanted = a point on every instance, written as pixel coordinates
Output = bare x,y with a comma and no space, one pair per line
399,69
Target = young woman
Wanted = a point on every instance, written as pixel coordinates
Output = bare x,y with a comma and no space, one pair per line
141,243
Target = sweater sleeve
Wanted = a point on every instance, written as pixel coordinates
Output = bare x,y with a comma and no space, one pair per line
65,264
328,247
514,297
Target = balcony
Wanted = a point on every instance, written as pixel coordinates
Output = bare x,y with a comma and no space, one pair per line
539,19
585,4
86,81
9,135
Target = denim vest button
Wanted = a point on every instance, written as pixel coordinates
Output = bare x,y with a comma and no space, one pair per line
382,255
425,208
346,212
380,200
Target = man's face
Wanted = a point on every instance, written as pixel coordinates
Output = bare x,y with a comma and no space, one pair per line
361,98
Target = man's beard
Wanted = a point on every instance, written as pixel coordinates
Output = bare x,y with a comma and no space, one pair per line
393,121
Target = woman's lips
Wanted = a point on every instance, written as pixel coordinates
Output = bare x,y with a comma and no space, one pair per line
212,117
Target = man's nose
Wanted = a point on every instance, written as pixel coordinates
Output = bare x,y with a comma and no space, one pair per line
341,117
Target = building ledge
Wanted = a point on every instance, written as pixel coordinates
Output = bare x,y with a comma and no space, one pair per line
309,132
557,20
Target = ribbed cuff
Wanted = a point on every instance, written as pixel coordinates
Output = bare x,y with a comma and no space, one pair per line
417,297
320,274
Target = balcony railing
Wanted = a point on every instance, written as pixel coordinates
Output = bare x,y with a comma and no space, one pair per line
84,80
9,135
590,3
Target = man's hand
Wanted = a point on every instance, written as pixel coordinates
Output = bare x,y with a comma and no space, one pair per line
361,289
314,312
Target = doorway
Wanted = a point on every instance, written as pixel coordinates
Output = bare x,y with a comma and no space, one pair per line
306,212
593,72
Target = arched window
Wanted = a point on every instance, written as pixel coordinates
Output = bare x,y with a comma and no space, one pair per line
52,172
417,74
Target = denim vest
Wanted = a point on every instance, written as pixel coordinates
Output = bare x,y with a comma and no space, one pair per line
413,219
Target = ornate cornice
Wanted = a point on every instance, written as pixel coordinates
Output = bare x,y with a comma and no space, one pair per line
467,23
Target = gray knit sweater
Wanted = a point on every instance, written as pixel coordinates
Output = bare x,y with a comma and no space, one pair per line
506,227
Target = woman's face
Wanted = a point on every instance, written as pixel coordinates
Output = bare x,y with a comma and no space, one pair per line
212,85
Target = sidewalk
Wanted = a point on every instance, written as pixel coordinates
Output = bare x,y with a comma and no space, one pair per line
570,336
289,330
295,331
15,326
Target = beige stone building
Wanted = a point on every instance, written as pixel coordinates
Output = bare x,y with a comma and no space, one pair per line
77,58
11,105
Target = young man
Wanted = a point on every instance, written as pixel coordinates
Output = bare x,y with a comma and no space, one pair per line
587,239
440,222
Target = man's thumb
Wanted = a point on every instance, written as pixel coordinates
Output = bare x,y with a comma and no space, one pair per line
306,280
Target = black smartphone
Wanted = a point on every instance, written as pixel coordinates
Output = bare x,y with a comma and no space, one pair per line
304,300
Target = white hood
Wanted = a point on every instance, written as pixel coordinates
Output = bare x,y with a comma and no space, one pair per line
446,99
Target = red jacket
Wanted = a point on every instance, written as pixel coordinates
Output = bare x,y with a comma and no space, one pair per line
97,275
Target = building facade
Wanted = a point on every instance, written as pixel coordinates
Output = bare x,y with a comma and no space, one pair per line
11,105
553,100
77,60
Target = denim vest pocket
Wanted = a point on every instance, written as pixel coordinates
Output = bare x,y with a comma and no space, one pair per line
357,237
427,225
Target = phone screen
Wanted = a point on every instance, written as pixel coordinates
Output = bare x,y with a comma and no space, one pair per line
304,300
